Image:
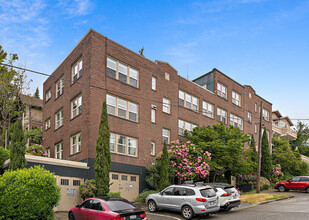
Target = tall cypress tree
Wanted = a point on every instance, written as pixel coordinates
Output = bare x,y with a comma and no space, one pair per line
254,154
165,161
103,156
266,165
37,93
17,147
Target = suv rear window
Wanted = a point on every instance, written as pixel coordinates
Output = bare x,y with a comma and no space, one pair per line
208,192
119,205
229,189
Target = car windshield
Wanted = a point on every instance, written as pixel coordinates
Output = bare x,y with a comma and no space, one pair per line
208,192
119,205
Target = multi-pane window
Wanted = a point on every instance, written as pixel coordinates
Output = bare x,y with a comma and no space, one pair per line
236,121
154,83
47,152
48,95
122,144
122,108
76,182
59,119
255,107
76,143
184,125
77,70
59,150
255,129
59,87
265,114
221,90
236,98
76,106
47,124
208,109
221,115
153,115
249,116
188,101
64,182
153,149
167,76
166,135
166,105
122,72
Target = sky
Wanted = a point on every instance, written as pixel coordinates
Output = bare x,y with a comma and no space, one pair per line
262,43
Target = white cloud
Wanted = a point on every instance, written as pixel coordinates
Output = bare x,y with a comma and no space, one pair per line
76,7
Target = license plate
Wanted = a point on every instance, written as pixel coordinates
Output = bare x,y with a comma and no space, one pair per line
133,217
213,202
234,197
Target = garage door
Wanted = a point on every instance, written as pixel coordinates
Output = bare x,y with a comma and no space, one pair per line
126,184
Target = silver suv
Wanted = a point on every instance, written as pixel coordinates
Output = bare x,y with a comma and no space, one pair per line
189,199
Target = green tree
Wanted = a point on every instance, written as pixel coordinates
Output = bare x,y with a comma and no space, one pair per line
4,155
253,152
251,157
164,169
35,135
141,51
103,155
37,93
17,147
302,138
266,165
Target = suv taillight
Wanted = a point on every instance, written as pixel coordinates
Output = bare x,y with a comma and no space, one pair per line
226,194
119,218
201,200
143,215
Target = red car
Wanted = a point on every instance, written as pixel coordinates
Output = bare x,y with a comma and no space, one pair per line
295,183
106,208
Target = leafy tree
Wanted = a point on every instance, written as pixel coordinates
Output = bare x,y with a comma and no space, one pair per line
226,146
251,156
266,164
37,93
302,138
141,51
103,155
164,177
12,83
4,155
254,153
35,135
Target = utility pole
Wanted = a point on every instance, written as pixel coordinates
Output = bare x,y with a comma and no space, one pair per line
258,176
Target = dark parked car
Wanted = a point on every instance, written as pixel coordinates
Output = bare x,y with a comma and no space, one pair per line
106,208
295,183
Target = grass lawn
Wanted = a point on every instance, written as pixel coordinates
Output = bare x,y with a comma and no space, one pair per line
261,197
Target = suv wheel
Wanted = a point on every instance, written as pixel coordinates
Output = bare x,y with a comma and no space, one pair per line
307,189
71,216
281,188
187,212
152,206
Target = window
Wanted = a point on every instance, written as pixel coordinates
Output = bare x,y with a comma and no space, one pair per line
76,143
59,119
250,95
188,101
265,114
121,108
249,117
153,149
153,115
64,182
124,177
48,152
76,106
236,98
166,105
48,95
221,115
125,74
255,129
208,109
184,125
115,176
59,87
154,83
167,76
122,144
77,70
58,150
133,178
76,182
236,121
47,124
221,90
255,107
166,136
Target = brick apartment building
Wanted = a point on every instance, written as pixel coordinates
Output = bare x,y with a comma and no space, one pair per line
148,102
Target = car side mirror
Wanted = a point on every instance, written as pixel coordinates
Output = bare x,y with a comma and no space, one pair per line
77,206
288,181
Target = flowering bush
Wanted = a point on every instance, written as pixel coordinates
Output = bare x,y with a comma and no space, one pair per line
88,189
277,174
36,150
189,161
246,179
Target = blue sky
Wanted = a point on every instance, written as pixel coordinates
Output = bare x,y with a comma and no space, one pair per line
262,43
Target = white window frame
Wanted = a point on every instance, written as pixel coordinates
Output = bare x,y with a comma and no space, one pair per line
249,117
154,83
222,90
167,76
236,98
255,107
76,147
265,114
114,141
166,136
184,125
220,117
152,148
59,153
153,115
189,99
131,73
48,95
166,106
47,152
47,124
128,108
76,106
255,129
77,69
59,87
236,121
59,122
208,109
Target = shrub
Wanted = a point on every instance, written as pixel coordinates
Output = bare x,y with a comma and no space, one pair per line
4,155
304,169
113,194
265,187
88,189
36,150
28,194
142,196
